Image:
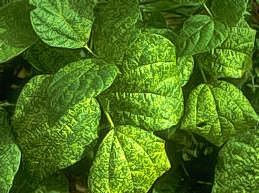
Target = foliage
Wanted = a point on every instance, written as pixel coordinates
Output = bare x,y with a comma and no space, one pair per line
129,96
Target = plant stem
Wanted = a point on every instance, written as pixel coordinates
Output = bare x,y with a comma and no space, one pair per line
207,9
109,119
203,75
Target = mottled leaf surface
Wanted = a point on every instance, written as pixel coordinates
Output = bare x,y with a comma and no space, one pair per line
10,155
200,33
69,116
129,160
234,56
47,59
228,12
218,111
63,23
16,33
148,91
185,65
237,169
115,28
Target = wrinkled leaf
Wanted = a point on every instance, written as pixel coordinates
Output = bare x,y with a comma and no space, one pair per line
129,160
63,23
69,116
10,155
148,91
218,111
229,12
200,33
237,168
48,59
115,28
16,33
234,56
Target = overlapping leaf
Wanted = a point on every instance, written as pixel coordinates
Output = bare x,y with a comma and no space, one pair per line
234,56
47,59
218,111
200,33
237,168
115,28
128,160
10,155
63,23
229,12
56,117
16,33
148,91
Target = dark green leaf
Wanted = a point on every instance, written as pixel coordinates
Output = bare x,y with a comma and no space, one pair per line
200,33
63,23
229,12
48,59
16,33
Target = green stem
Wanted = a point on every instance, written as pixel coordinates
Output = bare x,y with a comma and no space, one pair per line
89,50
109,119
203,75
207,9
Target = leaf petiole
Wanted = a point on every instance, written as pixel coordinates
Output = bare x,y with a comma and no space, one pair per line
207,9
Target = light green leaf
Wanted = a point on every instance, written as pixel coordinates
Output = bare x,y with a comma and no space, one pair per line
10,155
229,12
148,92
54,184
237,169
234,56
16,33
48,59
218,111
128,160
63,23
200,33
115,28
56,116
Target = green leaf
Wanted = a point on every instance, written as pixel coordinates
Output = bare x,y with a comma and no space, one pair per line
237,168
10,155
234,56
185,65
54,184
128,160
229,12
148,92
48,59
63,23
16,33
56,116
78,80
115,27
200,33
218,111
